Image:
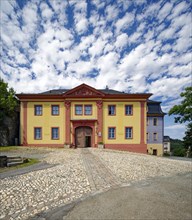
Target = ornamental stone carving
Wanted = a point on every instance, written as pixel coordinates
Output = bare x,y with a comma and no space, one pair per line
84,92
68,104
99,103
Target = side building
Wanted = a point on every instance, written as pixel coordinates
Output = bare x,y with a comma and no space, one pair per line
84,117
155,128
167,144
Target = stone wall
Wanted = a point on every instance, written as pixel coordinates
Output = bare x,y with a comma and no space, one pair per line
9,130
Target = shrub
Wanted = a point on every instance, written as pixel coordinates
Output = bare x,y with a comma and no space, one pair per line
179,152
166,154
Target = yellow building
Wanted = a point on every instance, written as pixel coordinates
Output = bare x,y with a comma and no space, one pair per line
84,117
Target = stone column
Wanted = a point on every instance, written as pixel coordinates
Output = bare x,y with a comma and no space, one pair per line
24,124
67,122
100,120
142,122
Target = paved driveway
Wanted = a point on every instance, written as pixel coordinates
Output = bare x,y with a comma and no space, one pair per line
77,174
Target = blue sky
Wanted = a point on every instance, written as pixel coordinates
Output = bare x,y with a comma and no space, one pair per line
131,46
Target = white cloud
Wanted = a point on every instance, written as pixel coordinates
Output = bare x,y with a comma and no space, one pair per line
80,68
81,22
108,62
177,126
124,22
121,41
80,6
46,12
164,11
6,7
98,4
165,86
97,47
112,12
135,37
30,18
131,45
86,42
179,8
176,131
151,10
166,34
82,25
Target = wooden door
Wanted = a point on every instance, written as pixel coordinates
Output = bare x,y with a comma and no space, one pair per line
83,136
155,152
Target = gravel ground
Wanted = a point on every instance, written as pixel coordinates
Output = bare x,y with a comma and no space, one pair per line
26,195
133,167
77,174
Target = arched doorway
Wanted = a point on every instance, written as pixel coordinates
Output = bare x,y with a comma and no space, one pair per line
83,136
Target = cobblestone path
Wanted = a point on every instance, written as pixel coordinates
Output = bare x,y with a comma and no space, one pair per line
76,174
100,177
26,195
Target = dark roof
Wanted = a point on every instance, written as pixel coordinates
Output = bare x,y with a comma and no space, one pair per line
110,91
166,138
106,91
154,108
61,91
55,91
151,101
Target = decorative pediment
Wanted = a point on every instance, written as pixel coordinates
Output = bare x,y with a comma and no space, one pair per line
82,91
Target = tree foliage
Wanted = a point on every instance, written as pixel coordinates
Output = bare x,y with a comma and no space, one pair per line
184,114
188,137
8,101
175,143
183,111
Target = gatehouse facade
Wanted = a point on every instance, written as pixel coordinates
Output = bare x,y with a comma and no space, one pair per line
85,117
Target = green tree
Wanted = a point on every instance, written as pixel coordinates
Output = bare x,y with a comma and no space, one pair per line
8,101
184,110
188,137
183,114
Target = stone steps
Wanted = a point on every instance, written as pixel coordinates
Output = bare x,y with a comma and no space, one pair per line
14,161
10,164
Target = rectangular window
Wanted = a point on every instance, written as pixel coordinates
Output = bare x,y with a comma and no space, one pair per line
88,110
111,110
38,109
54,133
147,136
55,109
128,132
37,133
111,133
155,136
78,109
128,110
155,121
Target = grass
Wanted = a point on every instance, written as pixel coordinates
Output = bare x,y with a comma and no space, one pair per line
9,148
29,163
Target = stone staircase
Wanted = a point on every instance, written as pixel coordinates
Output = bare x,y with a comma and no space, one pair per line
11,161
14,161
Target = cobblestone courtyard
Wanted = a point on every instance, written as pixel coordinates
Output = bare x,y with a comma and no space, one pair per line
76,174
